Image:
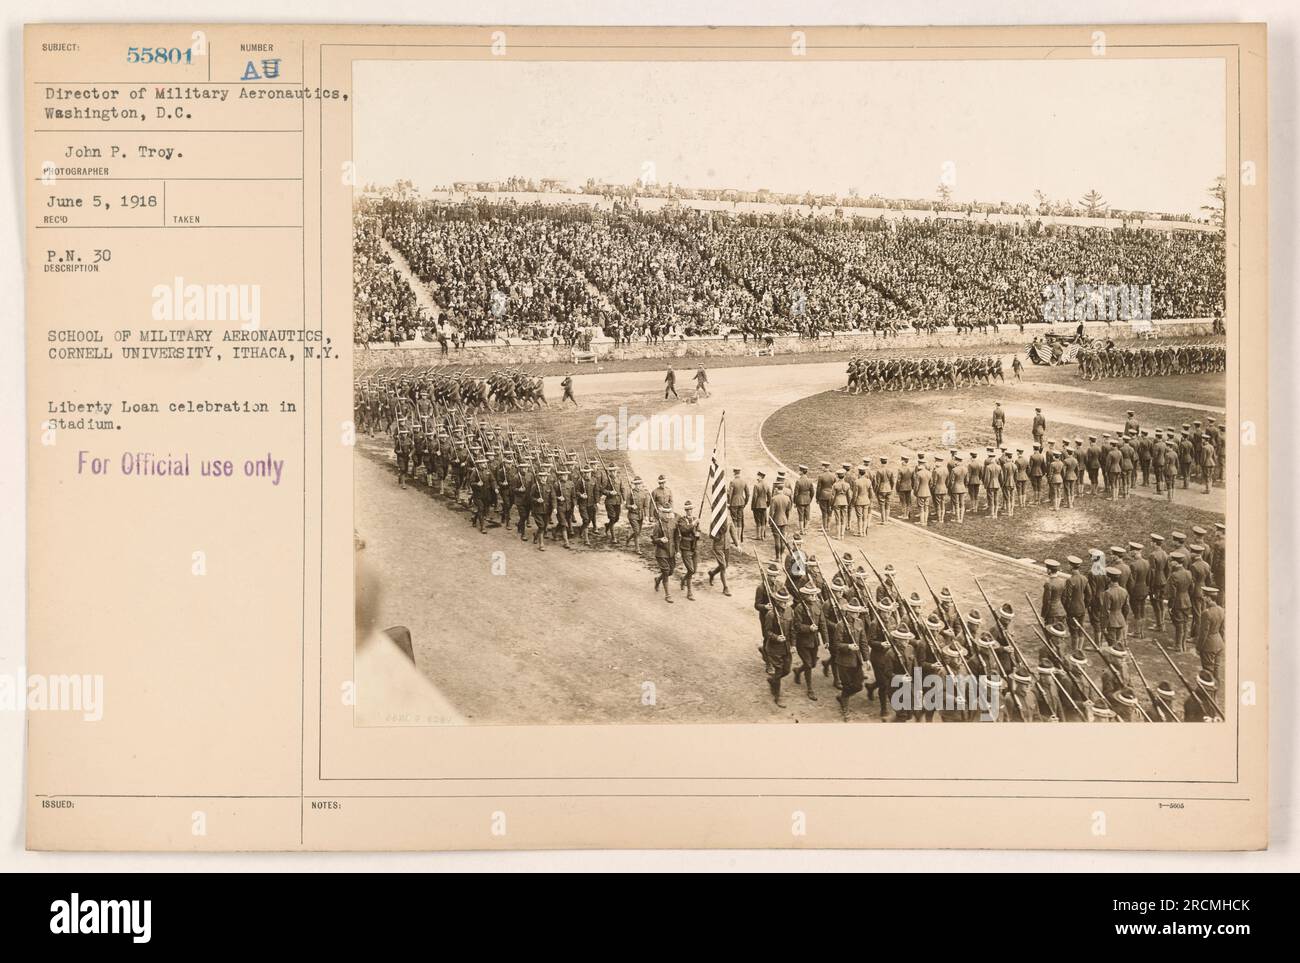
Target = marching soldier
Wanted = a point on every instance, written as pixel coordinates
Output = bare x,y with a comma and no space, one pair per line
777,629
721,555
701,381
665,547
639,507
670,383
1162,703
1202,705
567,385
564,500
542,503
480,481
778,514
846,655
687,538
615,495
808,619
586,494
662,496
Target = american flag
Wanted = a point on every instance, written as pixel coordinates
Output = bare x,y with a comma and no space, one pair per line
715,494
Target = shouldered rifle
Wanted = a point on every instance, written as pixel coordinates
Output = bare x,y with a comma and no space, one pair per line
1114,671
1198,691
1006,634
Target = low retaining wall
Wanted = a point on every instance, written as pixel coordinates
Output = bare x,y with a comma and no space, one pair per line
528,353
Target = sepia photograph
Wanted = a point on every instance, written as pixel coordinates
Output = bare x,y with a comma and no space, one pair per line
793,392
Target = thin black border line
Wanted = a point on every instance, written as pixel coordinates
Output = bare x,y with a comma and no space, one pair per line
1235,46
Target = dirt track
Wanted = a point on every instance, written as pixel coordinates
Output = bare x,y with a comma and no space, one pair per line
575,636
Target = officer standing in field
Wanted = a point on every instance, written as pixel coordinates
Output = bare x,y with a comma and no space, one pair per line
1037,470
805,490
1178,592
841,496
957,488
825,482
737,499
1157,576
939,488
1039,427
992,483
1139,586
1075,600
921,488
862,500
999,422
1219,560
1209,639
759,499
903,488
884,481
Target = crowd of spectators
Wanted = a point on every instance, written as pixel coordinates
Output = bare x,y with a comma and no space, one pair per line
504,270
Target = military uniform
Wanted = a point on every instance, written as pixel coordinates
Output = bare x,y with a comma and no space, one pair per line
759,499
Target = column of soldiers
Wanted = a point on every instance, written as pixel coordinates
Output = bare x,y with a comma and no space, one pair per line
919,659
997,482
503,472
504,389
928,373
1182,586
1110,361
